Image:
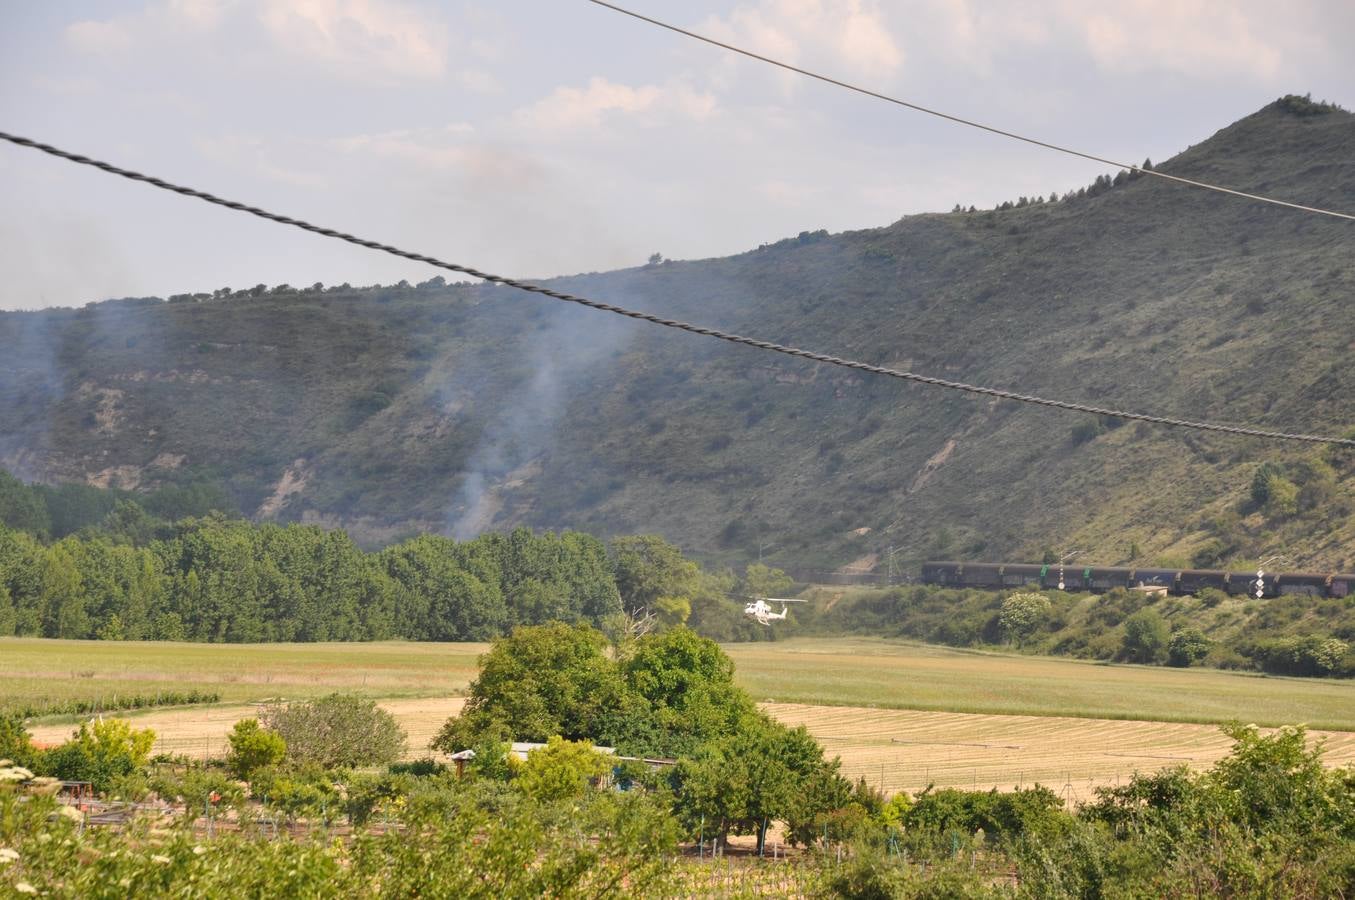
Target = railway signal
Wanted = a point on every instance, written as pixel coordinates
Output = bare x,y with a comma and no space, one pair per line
1261,573
1063,559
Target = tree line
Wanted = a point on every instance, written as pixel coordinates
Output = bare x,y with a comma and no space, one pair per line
85,563
222,580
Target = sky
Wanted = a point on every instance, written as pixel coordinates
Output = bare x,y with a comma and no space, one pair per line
545,137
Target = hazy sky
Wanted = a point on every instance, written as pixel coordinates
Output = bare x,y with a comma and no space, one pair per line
542,137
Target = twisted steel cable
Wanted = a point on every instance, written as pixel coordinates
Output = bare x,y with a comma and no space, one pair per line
659,320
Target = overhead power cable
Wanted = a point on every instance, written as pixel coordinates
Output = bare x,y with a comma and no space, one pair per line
659,320
826,79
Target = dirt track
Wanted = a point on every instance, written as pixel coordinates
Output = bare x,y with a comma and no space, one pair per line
899,749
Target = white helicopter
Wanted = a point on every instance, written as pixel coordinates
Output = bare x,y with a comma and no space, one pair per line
760,610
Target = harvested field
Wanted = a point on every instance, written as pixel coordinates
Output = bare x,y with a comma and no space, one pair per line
896,749
907,750
200,732
900,714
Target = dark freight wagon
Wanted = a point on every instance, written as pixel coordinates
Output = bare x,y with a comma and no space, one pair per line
1309,584
1245,583
1192,581
1020,575
1104,578
1154,578
985,576
1099,579
949,574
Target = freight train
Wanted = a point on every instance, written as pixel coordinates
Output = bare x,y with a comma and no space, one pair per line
1096,579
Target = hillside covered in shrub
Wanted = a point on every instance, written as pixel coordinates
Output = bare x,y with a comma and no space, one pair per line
458,408
1292,635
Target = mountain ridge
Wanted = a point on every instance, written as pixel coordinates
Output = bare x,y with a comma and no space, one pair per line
458,407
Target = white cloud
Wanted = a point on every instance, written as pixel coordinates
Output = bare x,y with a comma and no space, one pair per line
371,40
571,108
1194,37
373,35
89,36
852,33
200,14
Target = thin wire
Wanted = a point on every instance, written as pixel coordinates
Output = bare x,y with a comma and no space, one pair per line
962,121
658,320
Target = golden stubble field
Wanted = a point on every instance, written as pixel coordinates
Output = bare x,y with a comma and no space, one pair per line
893,749
900,715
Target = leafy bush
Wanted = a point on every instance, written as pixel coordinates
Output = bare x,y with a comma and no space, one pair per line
201,790
99,752
1188,646
1022,615
15,743
336,730
1308,655
1036,810
1210,597
561,770
616,846
1145,637
253,748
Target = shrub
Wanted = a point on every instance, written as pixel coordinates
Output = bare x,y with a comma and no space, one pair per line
200,791
1187,647
253,748
561,770
15,743
100,752
1308,655
337,730
1211,597
1145,637
1022,615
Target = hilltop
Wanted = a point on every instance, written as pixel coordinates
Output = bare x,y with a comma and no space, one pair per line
459,407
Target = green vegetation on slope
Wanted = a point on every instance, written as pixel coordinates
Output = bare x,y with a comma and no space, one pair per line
391,409
1290,635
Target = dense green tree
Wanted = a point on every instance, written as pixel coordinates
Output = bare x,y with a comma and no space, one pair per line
647,568
765,581
440,598
22,508
762,773
220,579
686,683
539,682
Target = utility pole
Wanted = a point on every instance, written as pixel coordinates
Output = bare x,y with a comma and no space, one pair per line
889,564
